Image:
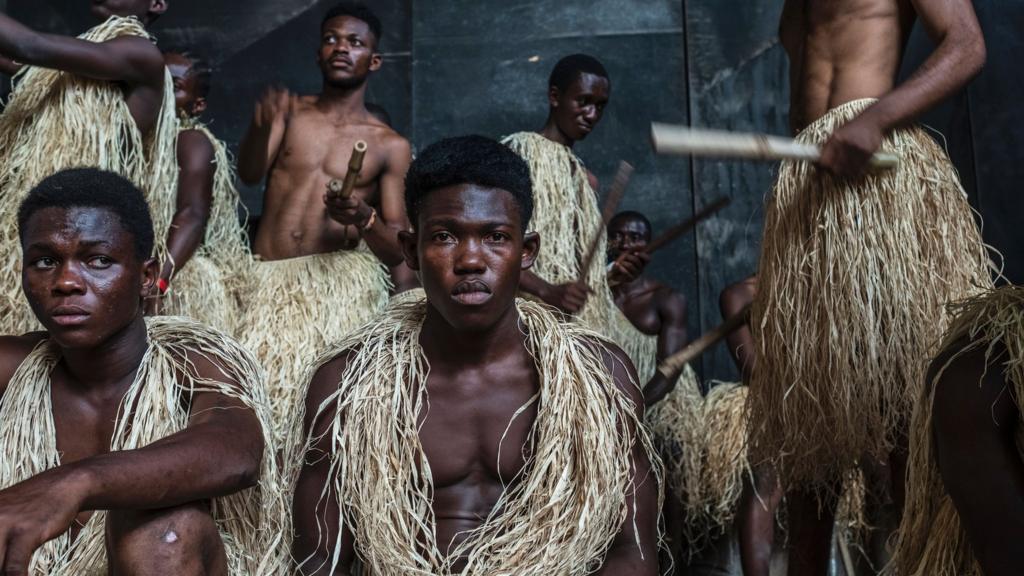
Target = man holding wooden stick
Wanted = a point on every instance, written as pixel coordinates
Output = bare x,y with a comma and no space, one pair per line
322,273
857,266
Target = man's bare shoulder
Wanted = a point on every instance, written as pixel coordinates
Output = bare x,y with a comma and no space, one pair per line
617,362
13,351
324,384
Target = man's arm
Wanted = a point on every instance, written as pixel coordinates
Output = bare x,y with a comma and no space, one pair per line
218,454
13,351
130,59
975,428
196,170
569,297
958,56
740,341
671,339
625,556
259,146
316,513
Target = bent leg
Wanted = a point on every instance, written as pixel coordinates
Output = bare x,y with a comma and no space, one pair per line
811,522
183,540
756,520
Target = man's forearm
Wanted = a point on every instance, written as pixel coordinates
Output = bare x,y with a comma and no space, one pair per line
951,66
184,237
382,239
535,285
204,461
253,154
17,41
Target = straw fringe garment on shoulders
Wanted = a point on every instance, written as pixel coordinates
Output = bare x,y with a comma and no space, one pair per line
931,540
255,523
55,120
855,276
559,515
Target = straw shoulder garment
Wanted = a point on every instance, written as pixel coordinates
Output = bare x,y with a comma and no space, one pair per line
931,540
855,276
567,217
558,517
254,523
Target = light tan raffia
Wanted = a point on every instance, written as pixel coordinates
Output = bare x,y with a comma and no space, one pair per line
558,516
296,308
931,540
55,120
210,286
725,455
850,303
567,217
255,523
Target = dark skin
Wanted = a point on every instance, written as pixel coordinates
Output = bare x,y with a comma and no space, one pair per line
651,307
974,423
196,171
301,143
470,249
844,50
572,114
135,64
85,282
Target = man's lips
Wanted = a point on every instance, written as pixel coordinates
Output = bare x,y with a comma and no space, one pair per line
471,292
340,63
69,315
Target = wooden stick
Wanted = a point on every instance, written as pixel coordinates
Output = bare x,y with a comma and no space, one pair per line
673,365
683,140
611,203
344,188
679,229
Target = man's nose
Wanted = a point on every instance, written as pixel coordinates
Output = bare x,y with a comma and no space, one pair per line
469,257
68,280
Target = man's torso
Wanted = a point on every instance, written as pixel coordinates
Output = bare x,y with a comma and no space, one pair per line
841,50
641,306
315,149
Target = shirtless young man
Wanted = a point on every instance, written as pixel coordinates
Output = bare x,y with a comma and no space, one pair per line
321,256
119,78
842,52
578,91
496,496
653,308
86,484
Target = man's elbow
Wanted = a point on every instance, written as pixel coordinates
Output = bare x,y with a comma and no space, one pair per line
971,53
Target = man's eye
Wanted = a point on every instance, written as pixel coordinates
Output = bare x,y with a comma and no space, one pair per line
44,263
497,237
100,262
443,237
329,40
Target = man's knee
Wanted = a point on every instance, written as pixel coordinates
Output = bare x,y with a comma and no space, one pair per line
180,540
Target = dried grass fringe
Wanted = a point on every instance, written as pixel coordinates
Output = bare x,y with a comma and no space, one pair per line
931,540
558,517
55,120
299,306
211,287
255,523
567,217
854,280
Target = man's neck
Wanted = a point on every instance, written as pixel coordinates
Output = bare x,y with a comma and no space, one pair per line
445,345
344,102
112,362
551,132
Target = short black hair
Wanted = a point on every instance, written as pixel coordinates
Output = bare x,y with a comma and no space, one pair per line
568,69
93,188
359,11
200,69
631,215
474,160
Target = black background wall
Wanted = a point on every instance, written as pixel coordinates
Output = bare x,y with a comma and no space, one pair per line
460,66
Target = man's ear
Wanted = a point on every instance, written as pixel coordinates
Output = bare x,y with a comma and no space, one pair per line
407,238
531,247
150,274
375,62
156,9
553,94
198,106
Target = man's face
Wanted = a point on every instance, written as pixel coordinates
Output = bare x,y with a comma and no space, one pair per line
81,275
347,52
579,107
470,249
186,90
143,9
627,235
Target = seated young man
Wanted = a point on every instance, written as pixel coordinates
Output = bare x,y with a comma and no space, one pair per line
128,447
474,432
